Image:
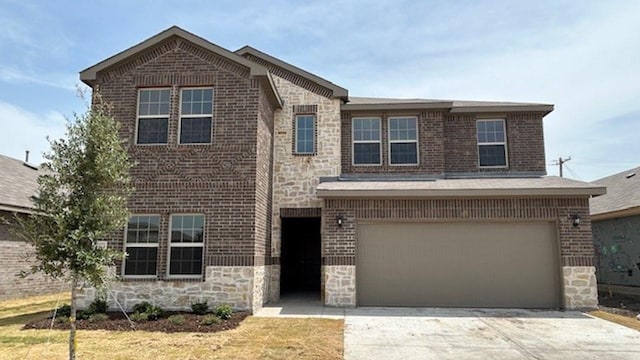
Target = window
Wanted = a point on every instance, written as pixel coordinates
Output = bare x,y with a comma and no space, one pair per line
196,116
403,141
186,239
153,116
366,141
492,143
305,134
141,242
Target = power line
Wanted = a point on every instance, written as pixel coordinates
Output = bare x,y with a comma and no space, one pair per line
573,173
561,162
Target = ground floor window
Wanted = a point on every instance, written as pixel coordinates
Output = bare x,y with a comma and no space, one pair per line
186,240
141,246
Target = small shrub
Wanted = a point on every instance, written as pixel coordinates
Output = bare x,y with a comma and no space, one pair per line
139,317
153,312
223,311
177,319
200,308
98,306
63,311
141,307
210,319
98,317
62,319
83,314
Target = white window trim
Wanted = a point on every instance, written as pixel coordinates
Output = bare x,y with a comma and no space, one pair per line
171,245
403,141
156,245
138,116
295,134
180,116
506,150
354,142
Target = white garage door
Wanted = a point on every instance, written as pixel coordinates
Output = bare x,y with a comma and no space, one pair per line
469,264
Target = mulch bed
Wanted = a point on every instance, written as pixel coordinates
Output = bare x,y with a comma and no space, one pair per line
619,304
118,322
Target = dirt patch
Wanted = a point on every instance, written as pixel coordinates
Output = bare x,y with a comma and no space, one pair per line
118,322
619,304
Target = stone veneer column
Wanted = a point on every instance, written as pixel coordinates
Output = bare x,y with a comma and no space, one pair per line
580,287
339,285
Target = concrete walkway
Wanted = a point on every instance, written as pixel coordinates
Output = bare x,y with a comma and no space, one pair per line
300,305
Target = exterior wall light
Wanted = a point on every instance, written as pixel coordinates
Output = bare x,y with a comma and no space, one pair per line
576,220
339,220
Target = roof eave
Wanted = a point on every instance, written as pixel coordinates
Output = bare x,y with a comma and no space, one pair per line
16,208
396,106
429,193
89,75
632,211
545,109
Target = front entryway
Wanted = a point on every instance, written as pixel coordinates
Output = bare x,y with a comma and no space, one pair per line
300,256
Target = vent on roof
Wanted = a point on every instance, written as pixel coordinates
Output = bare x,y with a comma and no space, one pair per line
629,176
34,167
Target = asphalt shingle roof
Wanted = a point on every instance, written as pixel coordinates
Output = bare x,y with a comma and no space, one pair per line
18,183
623,192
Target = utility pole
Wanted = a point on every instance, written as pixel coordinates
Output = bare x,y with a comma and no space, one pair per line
561,162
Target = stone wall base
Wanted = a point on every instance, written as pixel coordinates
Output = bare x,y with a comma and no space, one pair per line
241,287
580,287
339,285
274,283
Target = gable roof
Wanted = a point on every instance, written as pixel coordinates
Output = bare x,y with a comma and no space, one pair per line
622,198
454,106
89,75
336,91
18,183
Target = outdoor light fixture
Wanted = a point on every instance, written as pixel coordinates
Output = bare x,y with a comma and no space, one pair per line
576,220
339,220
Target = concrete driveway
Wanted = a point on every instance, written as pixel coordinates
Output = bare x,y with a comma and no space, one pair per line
429,333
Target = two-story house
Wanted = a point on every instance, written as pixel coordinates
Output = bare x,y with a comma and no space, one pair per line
255,178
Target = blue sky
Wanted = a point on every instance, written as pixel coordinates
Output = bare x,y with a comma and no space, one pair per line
582,56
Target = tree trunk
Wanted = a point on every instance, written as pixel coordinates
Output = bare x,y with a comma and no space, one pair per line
72,319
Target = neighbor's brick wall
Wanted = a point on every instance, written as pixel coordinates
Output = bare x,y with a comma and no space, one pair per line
576,245
218,179
447,144
17,256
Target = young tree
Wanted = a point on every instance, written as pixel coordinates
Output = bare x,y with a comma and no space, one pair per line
82,195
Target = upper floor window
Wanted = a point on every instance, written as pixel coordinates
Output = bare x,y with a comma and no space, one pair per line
367,142
403,141
305,134
141,245
196,115
153,116
186,244
492,143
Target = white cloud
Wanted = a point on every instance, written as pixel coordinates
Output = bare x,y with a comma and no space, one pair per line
62,81
24,130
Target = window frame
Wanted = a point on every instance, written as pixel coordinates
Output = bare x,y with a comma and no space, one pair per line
138,116
170,245
416,141
125,246
504,143
180,116
295,134
353,141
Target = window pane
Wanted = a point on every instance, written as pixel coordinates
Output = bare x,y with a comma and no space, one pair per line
305,134
142,229
366,129
402,129
186,261
404,153
195,130
141,261
187,228
154,102
153,131
366,153
492,155
490,131
197,102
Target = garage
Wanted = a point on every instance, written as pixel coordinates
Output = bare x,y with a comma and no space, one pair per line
458,264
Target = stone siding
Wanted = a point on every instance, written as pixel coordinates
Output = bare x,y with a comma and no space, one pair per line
339,284
231,285
580,287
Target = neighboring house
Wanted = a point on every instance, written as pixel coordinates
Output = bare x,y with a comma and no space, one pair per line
255,178
616,230
18,183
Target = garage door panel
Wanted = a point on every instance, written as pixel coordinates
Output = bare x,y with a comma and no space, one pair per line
457,264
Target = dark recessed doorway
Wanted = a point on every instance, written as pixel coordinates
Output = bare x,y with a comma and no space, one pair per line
300,256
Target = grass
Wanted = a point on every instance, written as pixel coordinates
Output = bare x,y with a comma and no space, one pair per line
618,319
255,338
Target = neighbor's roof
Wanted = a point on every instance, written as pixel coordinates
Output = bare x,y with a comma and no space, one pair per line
477,187
18,183
89,74
623,195
455,106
